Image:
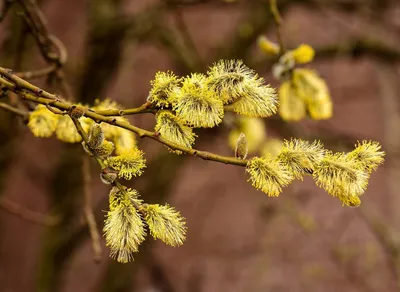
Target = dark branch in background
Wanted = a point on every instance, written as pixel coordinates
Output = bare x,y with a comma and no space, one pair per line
88,211
51,48
26,214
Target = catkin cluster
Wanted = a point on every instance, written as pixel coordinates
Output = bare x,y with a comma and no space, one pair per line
182,104
302,92
199,100
343,175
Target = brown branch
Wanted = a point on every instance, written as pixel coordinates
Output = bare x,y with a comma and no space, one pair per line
26,214
14,110
90,219
51,48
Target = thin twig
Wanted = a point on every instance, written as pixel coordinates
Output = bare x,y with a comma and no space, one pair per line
26,214
91,221
14,110
278,21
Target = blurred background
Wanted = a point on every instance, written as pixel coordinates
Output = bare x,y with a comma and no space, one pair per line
238,238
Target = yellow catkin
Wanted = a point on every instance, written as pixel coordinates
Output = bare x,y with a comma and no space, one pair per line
162,87
66,130
228,78
130,163
42,122
267,46
341,176
268,175
256,101
196,104
124,228
173,129
368,154
303,54
301,157
165,223
291,105
315,93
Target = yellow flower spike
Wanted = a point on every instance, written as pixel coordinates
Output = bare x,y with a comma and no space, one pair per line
123,140
173,129
241,147
303,54
267,46
368,154
130,163
341,176
105,149
315,93
165,223
163,85
196,104
124,229
291,105
42,122
253,128
66,130
227,79
301,157
268,175
258,102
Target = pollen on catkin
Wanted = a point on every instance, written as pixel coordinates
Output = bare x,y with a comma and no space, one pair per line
196,104
173,129
105,149
42,122
124,229
291,106
123,140
368,154
227,79
256,101
342,176
163,85
314,92
130,163
268,175
267,46
303,54
165,223
66,130
301,157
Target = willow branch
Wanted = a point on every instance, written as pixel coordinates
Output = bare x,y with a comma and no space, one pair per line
14,110
90,219
273,6
26,214
57,102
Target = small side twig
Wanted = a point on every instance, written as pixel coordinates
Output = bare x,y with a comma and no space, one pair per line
14,110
